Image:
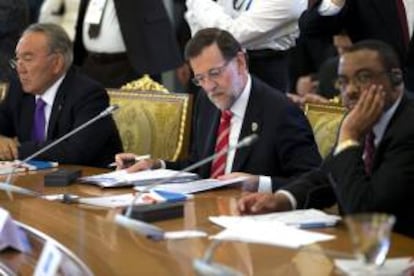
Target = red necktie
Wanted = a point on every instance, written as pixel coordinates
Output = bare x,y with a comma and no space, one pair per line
403,21
222,143
369,150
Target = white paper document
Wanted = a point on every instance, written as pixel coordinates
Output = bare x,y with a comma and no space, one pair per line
392,266
11,235
304,218
271,233
123,200
123,178
194,186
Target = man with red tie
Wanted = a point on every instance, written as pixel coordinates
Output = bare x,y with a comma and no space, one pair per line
372,166
391,21
233,106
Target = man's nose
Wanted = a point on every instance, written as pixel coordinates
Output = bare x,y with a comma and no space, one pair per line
208,84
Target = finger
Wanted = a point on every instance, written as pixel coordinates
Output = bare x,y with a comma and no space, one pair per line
245,202
14,151
141,166
262,204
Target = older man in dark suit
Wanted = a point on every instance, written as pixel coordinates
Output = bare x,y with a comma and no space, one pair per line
49,100
235,105
371,168
390,21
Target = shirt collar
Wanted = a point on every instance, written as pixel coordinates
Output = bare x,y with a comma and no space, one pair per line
380,127
239,106
49,96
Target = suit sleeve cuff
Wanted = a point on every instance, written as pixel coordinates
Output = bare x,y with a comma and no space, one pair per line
265,184
345,145
291,198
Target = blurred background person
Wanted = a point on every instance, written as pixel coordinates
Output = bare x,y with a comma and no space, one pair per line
14,18
267,29
119,41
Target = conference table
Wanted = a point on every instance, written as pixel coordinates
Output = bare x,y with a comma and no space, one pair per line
101,247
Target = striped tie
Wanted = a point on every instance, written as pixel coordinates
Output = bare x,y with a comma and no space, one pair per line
219,163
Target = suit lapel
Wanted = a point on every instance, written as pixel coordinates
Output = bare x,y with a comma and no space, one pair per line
28,109
252,123
389,132
57,107
211,132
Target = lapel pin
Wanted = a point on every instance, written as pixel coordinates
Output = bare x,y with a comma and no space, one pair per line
255,126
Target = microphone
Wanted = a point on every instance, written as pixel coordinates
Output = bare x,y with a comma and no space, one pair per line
9,188
121,219
205,266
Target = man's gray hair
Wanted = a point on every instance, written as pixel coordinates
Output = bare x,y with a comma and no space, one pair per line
58,40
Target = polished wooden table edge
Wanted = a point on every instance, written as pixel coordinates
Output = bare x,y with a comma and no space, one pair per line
46,238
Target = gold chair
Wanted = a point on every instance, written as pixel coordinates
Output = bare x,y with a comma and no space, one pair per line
4,87
153,123
325,120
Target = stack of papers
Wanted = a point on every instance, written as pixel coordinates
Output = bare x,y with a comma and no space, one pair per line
308,218
124,200
279,229
33,165
149,177
271,233
393,266
193,186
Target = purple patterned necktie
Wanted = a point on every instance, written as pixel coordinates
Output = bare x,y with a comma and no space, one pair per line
369,150
39,121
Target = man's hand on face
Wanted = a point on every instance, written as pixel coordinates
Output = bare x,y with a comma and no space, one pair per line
360,120
259,203
8,148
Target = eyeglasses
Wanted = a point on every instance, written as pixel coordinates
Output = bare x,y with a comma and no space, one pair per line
25,59
361,79
212,74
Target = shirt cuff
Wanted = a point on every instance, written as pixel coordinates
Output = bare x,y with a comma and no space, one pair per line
345,145
291,198
265,184
162,164
327,8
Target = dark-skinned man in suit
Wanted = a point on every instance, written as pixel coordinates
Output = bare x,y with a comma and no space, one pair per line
359,175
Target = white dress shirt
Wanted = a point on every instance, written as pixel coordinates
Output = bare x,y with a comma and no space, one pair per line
327,8
256,24
49,98
110,38
49,14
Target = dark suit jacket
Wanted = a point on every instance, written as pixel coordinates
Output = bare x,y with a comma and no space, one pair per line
363,19
389,189
285,148
78,99
147,32
14,17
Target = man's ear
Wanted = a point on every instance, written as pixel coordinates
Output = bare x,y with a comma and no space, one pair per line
242,61
58,63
